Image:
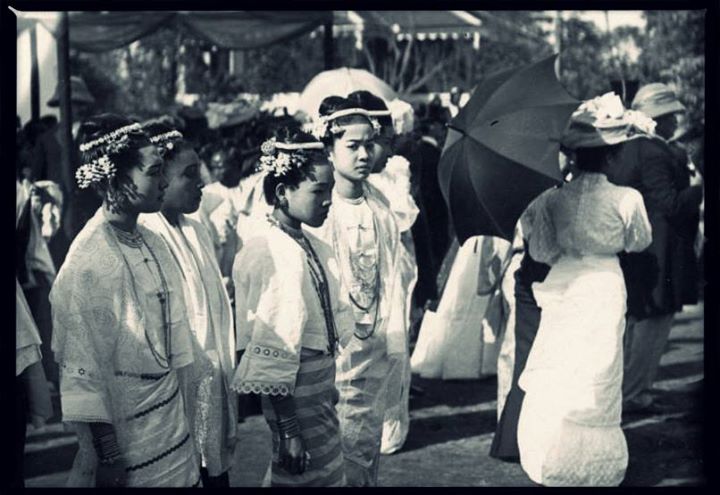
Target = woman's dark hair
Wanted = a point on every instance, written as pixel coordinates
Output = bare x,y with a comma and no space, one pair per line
293,177
368,101
162,126
124,160
332,104
595,159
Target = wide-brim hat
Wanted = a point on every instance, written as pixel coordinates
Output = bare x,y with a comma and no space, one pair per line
79,93
656,100
603,121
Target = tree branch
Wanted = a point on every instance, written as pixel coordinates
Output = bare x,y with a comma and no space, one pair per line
417,84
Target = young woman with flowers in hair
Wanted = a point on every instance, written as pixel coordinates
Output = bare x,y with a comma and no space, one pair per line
391,176
120,330
569,427
211,405
286,309
363,234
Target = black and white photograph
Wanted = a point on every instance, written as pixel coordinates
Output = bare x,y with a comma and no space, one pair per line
364,248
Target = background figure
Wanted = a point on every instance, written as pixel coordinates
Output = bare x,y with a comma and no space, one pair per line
50,164
38,210
431,231
32,398
454,343
664,277
526,323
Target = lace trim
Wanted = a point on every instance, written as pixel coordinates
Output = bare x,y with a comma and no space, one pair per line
261,388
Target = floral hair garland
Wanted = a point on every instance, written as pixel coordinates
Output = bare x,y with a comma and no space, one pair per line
279,158
327,124
165,141
102,167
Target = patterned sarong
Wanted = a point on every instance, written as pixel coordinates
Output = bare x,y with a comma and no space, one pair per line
315,398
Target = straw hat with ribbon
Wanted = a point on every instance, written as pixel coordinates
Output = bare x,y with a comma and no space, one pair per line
656,100
603,121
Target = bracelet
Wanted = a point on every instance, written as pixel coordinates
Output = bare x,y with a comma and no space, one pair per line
106,446
289,427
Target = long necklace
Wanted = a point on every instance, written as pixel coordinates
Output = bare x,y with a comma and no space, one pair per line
136,240
374,300
319,280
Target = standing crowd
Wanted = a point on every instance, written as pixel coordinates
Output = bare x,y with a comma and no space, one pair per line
297,274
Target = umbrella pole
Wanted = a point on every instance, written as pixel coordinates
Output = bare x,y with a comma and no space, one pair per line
34,76
328,44
66,142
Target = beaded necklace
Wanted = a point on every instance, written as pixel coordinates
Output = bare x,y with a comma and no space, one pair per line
319,280
374,300
136,240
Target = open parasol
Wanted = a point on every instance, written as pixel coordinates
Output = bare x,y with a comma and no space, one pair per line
502,149
341,82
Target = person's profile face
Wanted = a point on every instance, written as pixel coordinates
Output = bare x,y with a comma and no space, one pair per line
144,185
310,201
184,191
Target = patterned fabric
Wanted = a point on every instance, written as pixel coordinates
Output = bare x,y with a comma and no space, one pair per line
106,314
315,398
569,428
389,256
363,374
212,325
589,216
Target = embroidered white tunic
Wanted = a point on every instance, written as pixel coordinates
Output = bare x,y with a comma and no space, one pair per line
211,321
106,320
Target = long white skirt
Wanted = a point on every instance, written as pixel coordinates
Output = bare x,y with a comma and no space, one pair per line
453,343
569,429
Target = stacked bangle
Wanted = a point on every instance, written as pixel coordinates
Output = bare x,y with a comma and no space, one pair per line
107,448
289,427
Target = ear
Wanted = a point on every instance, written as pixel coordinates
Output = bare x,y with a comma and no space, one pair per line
280,192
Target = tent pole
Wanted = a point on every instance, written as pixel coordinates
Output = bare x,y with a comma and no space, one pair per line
63,59
328,44
34,76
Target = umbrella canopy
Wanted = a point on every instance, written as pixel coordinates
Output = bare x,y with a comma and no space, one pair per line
341,82
502,149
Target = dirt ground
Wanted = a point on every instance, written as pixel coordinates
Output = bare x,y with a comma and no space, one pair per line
452,425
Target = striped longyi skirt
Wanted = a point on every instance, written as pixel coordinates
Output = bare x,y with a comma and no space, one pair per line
315,398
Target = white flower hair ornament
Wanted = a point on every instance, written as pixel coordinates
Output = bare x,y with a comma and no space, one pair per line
102,167
96,171
165,141
280,158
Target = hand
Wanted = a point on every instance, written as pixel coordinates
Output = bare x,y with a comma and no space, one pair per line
111,475
293,456
696,179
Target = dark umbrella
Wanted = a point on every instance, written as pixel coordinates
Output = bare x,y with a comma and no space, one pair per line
502,149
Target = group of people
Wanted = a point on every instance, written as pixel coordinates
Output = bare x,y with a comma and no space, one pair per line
297,283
